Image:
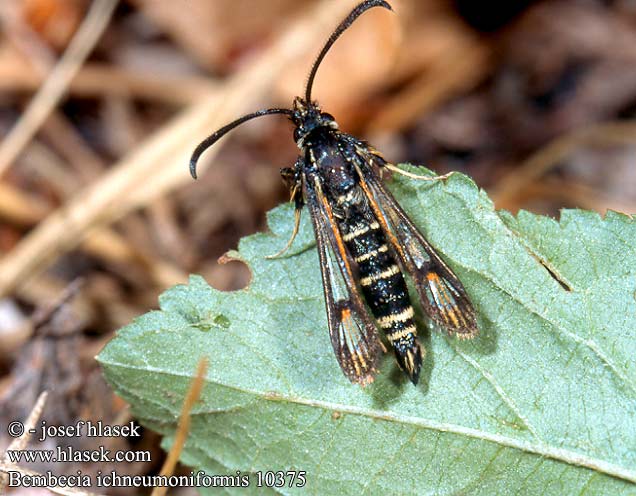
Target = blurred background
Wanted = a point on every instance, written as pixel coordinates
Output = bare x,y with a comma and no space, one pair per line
102,101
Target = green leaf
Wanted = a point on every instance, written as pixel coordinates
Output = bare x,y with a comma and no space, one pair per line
543,401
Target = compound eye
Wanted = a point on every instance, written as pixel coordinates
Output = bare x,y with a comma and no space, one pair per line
298,134
327,117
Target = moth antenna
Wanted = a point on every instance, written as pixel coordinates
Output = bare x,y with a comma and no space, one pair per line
342,27
217,135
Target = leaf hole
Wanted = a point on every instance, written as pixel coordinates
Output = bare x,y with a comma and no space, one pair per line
231,273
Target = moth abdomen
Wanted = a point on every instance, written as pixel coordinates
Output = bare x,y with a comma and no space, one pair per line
383,285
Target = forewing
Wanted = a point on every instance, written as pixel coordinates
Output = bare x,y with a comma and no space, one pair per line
353,333
441,293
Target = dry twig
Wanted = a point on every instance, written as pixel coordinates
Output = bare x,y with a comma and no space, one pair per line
160,163
183,427
608,133
458,69
20,443
97,80
56,84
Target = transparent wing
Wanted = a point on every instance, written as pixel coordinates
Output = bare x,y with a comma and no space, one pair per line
441,293
353,332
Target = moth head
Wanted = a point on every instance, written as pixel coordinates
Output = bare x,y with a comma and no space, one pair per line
305,114
307,117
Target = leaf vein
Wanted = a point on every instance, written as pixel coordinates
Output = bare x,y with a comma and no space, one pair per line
500,392
537,448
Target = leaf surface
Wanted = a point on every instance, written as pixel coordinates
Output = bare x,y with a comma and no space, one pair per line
542,402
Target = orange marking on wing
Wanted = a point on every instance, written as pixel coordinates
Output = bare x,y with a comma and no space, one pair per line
453,316
349,328
449,309
339,241
379,216
355,358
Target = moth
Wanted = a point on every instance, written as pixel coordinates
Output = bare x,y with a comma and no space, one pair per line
365,241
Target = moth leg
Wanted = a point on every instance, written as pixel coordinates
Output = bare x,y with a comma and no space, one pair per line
374,156
393,168
293,236
292,180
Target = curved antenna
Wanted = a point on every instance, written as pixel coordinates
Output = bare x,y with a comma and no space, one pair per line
355,13
217,135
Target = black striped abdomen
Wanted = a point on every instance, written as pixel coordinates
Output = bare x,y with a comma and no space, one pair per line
382,284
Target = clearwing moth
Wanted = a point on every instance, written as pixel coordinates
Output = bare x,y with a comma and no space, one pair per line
365,241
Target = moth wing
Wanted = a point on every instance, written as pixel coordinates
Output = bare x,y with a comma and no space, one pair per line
353,333
441,293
